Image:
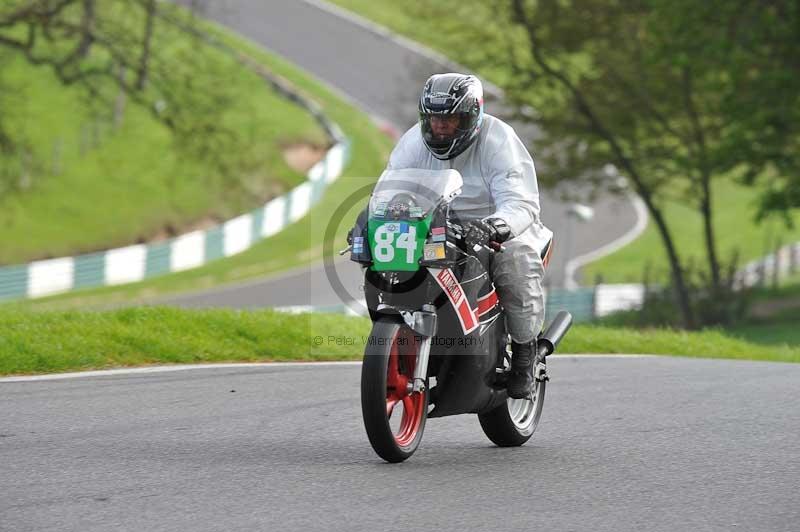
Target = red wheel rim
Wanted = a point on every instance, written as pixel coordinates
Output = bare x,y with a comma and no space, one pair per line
399,373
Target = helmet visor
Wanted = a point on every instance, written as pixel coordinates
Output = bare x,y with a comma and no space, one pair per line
442,130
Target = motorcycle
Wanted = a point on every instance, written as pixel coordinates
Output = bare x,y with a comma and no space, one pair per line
438,345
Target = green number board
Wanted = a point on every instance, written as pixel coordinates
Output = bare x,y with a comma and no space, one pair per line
397,245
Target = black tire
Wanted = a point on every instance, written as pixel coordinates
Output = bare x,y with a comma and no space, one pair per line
390,338
513,423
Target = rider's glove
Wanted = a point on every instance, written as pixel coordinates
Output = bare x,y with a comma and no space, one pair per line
481,232
350,237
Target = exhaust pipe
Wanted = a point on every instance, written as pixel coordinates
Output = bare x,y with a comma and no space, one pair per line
549,340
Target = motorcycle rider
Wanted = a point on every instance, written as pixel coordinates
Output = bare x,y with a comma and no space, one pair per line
499,200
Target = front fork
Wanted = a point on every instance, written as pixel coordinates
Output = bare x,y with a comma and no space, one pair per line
421,369
422,322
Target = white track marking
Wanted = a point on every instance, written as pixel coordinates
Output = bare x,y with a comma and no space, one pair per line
574,264
166,369
557,356
187,367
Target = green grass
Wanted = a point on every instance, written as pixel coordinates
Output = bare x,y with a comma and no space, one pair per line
774,332
711,343
57,341
43,342
777,330
300,243
94,186
734,207
788,288
774,315
408,19
395,16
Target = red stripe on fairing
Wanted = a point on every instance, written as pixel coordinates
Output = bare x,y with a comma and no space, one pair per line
467,317
487,303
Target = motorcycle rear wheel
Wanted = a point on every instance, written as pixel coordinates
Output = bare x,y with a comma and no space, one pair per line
388,369
512,423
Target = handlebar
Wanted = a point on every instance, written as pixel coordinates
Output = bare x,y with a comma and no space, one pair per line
492,246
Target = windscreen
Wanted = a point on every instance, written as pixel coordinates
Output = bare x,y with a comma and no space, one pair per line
412,193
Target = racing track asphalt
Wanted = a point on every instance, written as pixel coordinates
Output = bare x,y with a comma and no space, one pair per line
625,444
383,78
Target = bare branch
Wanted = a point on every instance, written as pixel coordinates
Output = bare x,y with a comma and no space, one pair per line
36,11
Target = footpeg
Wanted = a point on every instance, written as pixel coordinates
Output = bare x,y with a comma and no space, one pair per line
540,373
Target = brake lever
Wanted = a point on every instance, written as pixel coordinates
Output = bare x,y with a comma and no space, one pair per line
345,250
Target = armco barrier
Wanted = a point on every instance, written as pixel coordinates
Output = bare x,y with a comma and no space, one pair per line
579,302
610,298
135,263
784,262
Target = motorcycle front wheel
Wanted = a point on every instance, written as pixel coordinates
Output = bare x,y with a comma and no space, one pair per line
394,418
512,423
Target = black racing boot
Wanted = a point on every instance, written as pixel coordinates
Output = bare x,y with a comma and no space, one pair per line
520,379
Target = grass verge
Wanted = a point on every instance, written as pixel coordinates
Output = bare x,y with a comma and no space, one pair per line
775,331
58,341
710,343
734,209
42,342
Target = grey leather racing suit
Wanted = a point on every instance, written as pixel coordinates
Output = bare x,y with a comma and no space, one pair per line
499,182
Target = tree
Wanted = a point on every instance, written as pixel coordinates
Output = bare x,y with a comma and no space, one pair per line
128,47
760,48
655,87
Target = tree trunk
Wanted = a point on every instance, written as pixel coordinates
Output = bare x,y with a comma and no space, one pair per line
708,234
599,129
144,60
705,177
678,279
119,103
6,142
87,29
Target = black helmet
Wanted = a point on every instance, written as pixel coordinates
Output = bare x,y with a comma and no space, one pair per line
455,95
